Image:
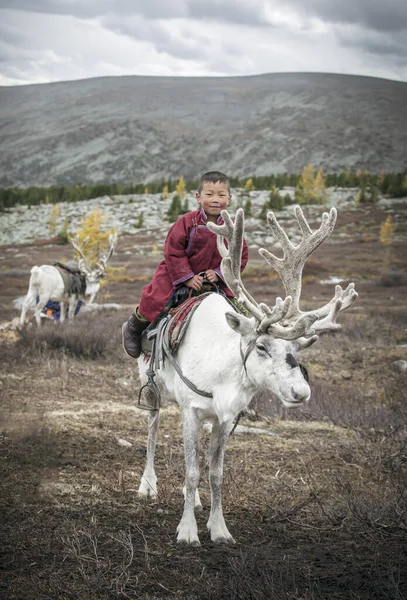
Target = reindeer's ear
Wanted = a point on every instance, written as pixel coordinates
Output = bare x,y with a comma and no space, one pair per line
239,323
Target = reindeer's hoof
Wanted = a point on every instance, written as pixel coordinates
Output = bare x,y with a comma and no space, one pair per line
224,541
194,543
219,532
148,495
188,532
147,490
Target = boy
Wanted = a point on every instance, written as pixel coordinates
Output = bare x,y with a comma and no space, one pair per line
190,248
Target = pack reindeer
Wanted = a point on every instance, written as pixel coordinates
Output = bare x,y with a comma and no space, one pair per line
231,357
67,283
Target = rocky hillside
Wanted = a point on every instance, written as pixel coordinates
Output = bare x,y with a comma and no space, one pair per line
22,224
147,128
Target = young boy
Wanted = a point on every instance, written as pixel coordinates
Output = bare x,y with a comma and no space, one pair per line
190,248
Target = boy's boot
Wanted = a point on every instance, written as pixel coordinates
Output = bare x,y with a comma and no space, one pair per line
131,335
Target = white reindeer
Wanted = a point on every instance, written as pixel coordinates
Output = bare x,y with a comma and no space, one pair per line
47,283
232,357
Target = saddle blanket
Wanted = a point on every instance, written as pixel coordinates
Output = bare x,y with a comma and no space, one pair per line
181,316
180,320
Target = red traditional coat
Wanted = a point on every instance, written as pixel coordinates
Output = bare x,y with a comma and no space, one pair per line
189,249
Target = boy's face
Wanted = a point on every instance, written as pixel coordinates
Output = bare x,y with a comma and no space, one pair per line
214,198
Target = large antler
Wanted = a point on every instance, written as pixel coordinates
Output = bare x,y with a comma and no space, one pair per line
285,320
230,267
103,260
291,265
83,262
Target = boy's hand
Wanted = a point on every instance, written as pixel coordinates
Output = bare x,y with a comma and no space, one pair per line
211,276
195,283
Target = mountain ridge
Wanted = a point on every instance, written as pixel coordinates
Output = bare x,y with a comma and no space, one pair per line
141,128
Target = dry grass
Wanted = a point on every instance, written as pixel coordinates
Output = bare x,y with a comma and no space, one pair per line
318,507
89,337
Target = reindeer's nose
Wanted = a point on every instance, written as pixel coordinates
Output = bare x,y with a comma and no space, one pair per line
300,393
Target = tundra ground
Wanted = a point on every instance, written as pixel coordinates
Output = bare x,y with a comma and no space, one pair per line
317,502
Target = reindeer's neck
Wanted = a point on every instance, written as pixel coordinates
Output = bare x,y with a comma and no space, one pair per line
210,357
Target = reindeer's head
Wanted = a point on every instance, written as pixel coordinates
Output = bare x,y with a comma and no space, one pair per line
270,363
271,339
93,275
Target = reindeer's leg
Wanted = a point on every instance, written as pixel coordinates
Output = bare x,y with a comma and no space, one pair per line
28,300
148,484
73,301
216,523
62,311
40,305
197,502
187,528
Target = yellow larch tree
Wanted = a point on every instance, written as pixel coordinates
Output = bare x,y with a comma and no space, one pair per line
92,226
164,193
180,187
320,187
387,230
53,219
305,186
249,185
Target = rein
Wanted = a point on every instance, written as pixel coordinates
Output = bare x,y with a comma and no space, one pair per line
181,375
245,355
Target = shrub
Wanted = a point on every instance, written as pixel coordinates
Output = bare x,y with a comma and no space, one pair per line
62,235
393,278
276,202
140,221
175,209
90,337
248,208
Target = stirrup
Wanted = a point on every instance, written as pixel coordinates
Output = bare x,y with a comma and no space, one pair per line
156,356
152,386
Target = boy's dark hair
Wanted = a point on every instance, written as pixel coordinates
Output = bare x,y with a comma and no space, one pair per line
213,177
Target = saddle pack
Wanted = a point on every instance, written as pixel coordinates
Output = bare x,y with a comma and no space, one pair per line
74,280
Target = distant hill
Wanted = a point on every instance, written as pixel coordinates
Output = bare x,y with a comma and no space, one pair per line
135,128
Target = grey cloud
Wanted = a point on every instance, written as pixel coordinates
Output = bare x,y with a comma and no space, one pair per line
90,8
235,11
377,44
379,15
97,8
6,53
372,31
185,47
10,35
227,11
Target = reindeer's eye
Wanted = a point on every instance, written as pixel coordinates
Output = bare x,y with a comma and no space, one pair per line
291,361
261,348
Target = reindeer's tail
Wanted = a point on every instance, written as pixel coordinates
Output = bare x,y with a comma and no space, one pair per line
32,293
34,273
35,278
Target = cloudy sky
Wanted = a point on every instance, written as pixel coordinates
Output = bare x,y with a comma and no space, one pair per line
54,40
